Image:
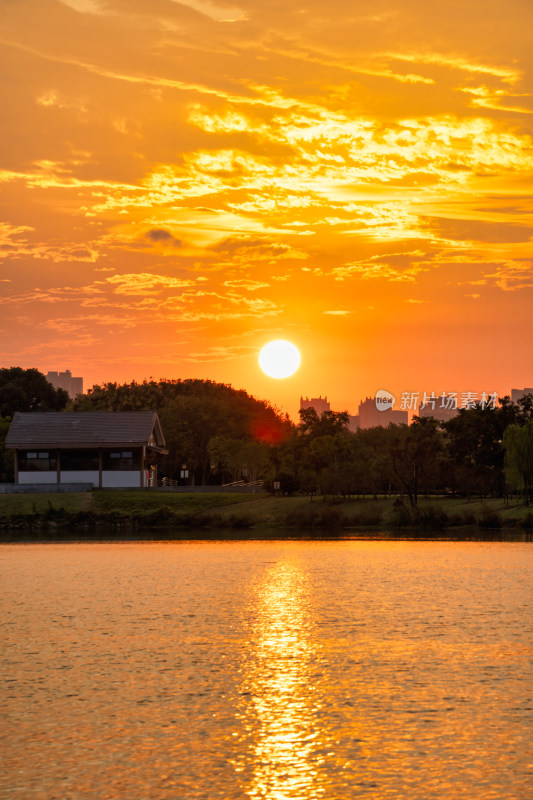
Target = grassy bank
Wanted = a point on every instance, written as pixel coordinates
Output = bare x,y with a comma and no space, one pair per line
258,512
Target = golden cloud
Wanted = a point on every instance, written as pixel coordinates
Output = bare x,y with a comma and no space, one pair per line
145,283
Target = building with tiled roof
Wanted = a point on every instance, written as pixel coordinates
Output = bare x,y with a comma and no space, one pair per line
105,448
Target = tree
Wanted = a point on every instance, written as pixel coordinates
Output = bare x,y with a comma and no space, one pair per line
518,446
319,453
28,390
525,406
328,424
371,471
415,452
193,414
329,457
23,390
474,442
7,458
225,457
254,457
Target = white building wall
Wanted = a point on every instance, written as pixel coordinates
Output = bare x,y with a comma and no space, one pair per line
38,477
80,476
117,478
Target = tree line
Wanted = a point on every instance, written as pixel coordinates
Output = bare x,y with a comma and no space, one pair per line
217,432
480,452
222,434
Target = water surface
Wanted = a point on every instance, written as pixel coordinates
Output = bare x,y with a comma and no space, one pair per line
280,670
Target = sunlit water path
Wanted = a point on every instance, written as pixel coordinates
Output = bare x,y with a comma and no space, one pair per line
279,670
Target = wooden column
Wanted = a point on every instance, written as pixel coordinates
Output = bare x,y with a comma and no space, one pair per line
143,452
16,466
58,465
100,467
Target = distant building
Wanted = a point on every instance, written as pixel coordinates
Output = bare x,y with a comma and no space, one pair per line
371,417
517,394
320,404
64,380
442,414
353,424
105,448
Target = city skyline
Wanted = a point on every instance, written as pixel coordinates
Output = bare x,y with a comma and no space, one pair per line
426,404
414,402
182,183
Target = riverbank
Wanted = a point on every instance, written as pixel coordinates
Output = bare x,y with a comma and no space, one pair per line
128,510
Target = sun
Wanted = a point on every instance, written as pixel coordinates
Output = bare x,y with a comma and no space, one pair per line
279,359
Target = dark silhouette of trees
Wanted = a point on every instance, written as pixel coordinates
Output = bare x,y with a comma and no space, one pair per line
518,445
28,390
325,451
474,445
415,452
464,455
329,423
222,435
23,390
203,423
6,456
371,467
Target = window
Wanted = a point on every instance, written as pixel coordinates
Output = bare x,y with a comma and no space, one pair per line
122,459
77,460
37,461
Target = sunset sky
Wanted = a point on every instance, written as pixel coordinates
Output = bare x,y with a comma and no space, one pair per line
182,182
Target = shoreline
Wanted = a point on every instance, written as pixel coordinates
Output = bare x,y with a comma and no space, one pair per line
205,515
108,534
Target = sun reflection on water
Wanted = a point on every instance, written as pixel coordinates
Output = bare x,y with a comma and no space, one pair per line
281,717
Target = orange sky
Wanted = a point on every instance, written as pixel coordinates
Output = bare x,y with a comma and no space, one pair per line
183,181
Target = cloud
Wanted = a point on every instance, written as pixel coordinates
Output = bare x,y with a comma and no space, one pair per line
488,97
394,267
463,63
512,275
51,98
235,251
85,6
198,305
113,322
160,236
145,283
219,353
248,285
479,231
15,244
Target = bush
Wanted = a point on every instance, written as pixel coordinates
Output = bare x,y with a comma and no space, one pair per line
489,519
162,515
332,518
367,517
217,520
239,521
316,516
527,522
433,518
401,516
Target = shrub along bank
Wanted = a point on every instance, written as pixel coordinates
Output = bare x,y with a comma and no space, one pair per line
140,510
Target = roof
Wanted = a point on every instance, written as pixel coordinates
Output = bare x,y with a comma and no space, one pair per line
85,429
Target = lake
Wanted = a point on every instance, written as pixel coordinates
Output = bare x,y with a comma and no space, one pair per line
267,669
